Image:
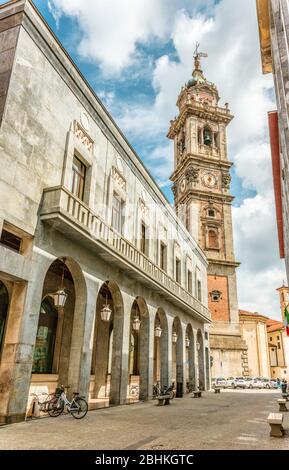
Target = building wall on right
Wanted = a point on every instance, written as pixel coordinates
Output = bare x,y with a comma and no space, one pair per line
273,22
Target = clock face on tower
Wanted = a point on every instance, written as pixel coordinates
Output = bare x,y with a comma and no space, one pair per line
209,180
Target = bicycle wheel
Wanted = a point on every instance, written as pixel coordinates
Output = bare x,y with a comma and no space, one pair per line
55,407
82,408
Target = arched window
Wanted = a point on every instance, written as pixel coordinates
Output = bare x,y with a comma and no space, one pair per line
213,239
4,303
45,339
208,137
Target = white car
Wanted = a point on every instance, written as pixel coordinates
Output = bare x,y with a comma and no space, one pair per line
220,381
230,382
239,382
255,383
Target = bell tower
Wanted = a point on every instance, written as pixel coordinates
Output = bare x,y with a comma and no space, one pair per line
201,187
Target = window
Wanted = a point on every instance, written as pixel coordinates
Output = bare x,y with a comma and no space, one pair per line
163,257
143,239
45,339
215,296
117,220
199,290
206,335
271,338
213,239
211,213
4,303
178,270
78,178
279,345
189,281
11,241
278,338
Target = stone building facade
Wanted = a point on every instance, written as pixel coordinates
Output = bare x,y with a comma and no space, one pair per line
101,285
254,332
273,22
202,193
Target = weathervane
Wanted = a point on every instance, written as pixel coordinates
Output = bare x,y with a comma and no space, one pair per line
197,56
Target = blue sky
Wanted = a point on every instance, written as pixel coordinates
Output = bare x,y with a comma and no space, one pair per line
136,54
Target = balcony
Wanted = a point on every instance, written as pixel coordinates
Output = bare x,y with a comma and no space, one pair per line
77,221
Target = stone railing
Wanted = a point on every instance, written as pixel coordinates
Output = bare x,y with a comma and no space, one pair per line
59,200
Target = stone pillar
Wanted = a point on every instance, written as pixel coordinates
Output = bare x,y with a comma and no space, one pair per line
196,359
82,336
170,350
17,354
120,355
148,378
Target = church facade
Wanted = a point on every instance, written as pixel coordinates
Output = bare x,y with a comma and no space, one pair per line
101,286
201,185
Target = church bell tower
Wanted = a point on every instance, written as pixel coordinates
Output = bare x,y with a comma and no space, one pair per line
201,187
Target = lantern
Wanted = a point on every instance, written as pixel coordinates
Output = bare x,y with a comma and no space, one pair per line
136,323
106,311
158,331
187,342
60,296
174,337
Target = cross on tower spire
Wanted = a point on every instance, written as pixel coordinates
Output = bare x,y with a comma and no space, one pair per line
197,57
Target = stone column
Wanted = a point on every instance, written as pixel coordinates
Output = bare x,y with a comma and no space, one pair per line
17,354
120,355
170,350
196,359
82,337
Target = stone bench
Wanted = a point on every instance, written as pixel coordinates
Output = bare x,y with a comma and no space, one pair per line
217,389
197,393
282,404
163,400
275,420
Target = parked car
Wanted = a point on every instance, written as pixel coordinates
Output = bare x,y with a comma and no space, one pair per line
230,382
273,383
220,381
255,382
239,382
267,383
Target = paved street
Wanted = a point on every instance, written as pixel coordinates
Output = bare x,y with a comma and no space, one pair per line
231,420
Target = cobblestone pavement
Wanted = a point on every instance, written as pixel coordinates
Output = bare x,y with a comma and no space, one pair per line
229,420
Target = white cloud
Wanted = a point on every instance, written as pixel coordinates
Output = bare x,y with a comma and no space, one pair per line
111,34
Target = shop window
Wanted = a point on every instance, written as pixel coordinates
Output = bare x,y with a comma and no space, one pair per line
45,339
4,303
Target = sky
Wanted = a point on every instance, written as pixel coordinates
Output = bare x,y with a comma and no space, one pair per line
136,54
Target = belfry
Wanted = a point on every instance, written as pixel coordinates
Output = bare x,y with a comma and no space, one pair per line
201,187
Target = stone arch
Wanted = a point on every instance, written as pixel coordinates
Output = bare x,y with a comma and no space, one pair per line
190,359
201,360
139,349
107,344
161,362
207,135
177,356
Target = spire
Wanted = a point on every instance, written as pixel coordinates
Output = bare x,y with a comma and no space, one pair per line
197,74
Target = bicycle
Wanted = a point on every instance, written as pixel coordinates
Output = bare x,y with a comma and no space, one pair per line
78,407
43,405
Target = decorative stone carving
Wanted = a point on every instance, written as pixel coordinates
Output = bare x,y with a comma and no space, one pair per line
192,174
175,190
226,180
83,137
143,208
118,179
